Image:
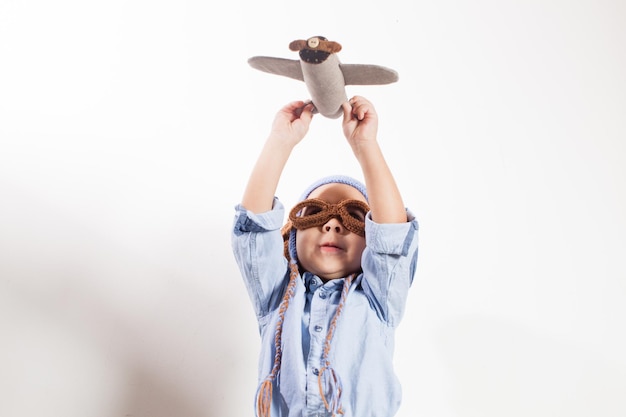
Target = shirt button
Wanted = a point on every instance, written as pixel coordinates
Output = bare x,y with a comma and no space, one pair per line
323,295
318,328
316,371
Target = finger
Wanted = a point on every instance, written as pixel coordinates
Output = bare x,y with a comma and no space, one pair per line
359,110
306,113
363,109
292,106
347,111
304,105
357,101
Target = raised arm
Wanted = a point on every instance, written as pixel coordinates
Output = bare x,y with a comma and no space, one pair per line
360,127
290,125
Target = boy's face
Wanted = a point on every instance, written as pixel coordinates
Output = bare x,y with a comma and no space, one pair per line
330,251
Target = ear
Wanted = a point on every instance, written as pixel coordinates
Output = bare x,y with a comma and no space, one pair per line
297,46
333,47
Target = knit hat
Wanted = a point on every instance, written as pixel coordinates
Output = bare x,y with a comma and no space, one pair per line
328,380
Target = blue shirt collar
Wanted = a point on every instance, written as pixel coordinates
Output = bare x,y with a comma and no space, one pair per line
313,282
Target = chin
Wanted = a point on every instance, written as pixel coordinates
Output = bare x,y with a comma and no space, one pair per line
337,275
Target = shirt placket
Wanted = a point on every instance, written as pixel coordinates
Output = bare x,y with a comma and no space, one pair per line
319,318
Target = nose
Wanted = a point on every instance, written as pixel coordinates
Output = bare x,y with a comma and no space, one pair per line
333,225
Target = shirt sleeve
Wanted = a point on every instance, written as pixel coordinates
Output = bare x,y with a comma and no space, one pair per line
388,263
258,248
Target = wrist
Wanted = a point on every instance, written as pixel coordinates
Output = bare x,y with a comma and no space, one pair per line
362,149
280,143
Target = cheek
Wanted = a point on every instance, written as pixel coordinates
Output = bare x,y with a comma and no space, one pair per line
302,242
360,244
303,249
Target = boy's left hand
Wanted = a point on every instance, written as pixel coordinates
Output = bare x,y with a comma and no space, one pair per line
360,121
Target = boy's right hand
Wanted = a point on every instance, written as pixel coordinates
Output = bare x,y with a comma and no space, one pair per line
292,122
290,125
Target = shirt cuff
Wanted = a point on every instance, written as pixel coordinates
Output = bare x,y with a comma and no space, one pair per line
390,238
249,222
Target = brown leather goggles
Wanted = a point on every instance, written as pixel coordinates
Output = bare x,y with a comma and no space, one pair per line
315,212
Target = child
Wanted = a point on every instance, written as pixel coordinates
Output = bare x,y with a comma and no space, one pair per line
328,294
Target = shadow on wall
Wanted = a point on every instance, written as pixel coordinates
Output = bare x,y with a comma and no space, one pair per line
92,328
503,369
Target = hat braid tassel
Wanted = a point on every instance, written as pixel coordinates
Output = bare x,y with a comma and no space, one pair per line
266,388
264,398
328,380
331,396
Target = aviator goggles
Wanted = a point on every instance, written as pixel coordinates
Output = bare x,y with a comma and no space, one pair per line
315,212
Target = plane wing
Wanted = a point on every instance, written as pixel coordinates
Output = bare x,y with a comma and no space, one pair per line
364,74
280,66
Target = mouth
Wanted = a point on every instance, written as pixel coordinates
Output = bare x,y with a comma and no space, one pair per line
331,247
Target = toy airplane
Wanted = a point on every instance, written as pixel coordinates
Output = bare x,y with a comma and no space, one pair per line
325,77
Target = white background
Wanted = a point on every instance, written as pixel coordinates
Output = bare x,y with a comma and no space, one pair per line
128,130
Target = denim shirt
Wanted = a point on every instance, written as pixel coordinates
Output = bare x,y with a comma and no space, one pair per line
363,342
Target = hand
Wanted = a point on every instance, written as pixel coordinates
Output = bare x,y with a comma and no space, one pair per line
360,126
292,122
290,125
360,121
